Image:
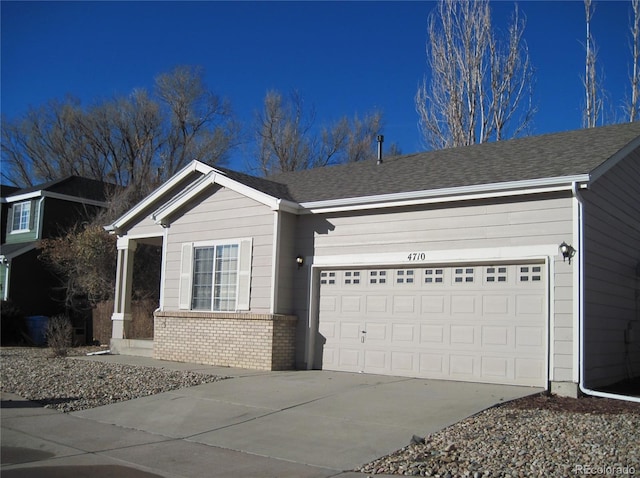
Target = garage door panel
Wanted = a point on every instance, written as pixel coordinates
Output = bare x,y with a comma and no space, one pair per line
529,305
497,368
376,361
461,366
431,334
328,303
530,336
433,364
327,329
329,357
377,304
433,305
463,305
402,333
497,337
349,330
495,305
404,305
349,357
529,370
471,323
402,361
351,304
463,334
376,332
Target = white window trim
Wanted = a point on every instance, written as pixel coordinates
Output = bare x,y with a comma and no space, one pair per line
243,273
13,215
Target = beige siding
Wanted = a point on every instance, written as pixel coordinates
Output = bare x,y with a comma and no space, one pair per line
288,272
612,252
224,215
537,221
479,226
145,228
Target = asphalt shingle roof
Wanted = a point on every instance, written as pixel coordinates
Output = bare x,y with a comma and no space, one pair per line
535,157
75,186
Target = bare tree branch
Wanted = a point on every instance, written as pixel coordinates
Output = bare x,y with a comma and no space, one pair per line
287,140
477,89
632,105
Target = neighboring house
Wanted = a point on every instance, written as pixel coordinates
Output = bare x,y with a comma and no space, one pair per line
31,214
442,265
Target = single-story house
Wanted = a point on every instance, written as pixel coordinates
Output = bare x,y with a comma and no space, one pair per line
515,262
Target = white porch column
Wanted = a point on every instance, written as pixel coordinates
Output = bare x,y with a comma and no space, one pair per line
121,318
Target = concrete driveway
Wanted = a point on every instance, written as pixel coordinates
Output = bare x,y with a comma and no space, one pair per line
303,423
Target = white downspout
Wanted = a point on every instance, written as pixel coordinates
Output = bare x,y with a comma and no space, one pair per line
583,388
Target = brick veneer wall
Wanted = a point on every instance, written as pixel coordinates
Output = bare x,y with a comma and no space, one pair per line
256,341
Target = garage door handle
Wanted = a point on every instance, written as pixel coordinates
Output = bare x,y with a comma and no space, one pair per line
362,336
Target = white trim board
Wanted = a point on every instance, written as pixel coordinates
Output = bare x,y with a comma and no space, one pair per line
508,253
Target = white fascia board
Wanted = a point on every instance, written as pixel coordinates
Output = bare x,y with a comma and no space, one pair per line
24,197
219,177
615,159
263,198
193,166
465,193
185,196
49,194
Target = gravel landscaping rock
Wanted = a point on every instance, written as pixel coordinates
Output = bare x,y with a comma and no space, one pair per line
68,384
541,435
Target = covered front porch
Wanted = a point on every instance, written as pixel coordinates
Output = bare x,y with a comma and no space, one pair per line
137,295
261,341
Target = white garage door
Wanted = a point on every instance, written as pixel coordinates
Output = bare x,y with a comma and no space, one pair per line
481,323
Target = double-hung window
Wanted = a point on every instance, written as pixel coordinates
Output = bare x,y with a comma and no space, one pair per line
21,216
215,276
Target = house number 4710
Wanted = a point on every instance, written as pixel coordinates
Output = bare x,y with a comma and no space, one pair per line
417,256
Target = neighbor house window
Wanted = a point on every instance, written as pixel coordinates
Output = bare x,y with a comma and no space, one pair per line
215,277
21,215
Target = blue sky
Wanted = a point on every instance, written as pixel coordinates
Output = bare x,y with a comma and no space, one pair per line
343,57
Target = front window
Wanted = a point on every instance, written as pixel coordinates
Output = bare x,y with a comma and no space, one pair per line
20,219
215,277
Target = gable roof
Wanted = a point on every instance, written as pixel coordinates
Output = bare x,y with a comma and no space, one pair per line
86,190
559,155
546,163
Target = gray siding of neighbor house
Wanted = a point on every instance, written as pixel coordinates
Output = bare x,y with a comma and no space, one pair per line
539,220
612,253
222,215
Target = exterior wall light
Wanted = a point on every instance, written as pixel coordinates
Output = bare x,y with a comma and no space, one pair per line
299,261
567,251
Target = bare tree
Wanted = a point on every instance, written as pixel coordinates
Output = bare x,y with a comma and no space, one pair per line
283,134
288,141
632,104
592,86
201,123
477,88
126,140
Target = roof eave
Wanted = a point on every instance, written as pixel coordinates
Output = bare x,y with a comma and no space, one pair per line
120,224
598,172
432,196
